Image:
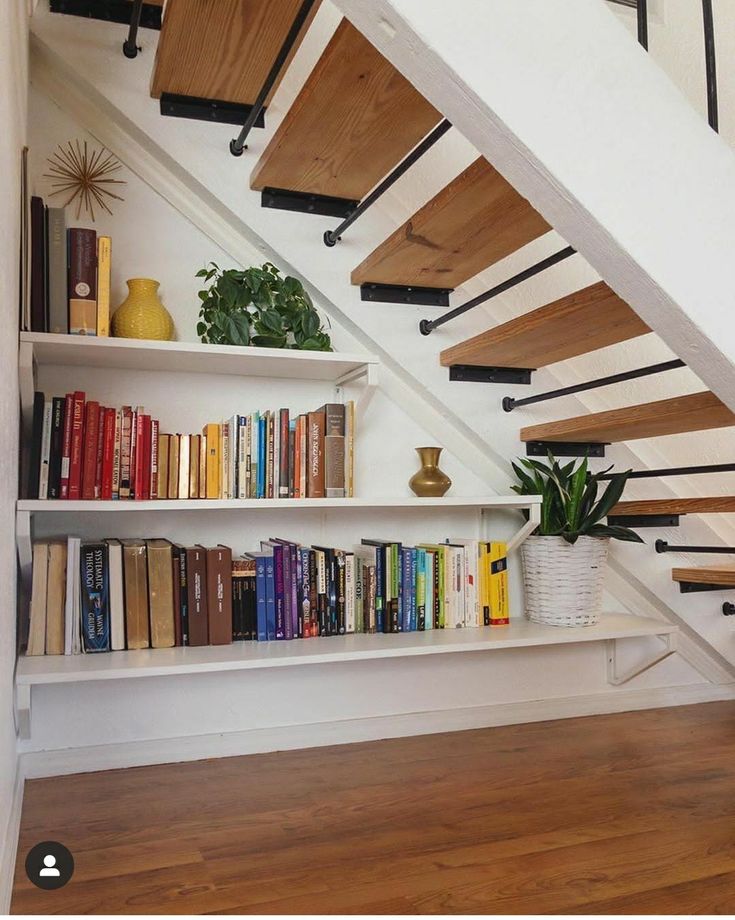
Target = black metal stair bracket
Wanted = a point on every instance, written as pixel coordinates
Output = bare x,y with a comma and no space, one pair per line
644,520
565,449
130,45
214,110
696,587
237,144
678,471
663,547
109,11
405,294
479,373
306,203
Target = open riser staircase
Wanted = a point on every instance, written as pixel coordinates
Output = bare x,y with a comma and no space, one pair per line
352,126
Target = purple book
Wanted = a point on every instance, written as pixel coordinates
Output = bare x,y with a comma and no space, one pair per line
282,631
291,586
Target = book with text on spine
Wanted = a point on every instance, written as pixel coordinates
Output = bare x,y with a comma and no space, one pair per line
95,597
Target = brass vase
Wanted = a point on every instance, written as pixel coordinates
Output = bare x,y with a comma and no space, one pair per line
142,315
429,482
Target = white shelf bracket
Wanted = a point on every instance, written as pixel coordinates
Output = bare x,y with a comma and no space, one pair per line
669,640
534,519
370,374
23,711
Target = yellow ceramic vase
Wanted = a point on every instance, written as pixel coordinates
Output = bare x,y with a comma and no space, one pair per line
142,315
429,482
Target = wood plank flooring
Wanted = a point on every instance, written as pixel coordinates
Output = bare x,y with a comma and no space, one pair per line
626,813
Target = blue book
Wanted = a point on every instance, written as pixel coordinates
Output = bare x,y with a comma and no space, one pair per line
412,576
404,597
95,591
261,594
263,454
270,597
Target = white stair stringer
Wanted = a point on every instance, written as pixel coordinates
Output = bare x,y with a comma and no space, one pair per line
435,404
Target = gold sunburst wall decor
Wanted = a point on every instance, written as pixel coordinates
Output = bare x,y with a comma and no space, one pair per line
87,176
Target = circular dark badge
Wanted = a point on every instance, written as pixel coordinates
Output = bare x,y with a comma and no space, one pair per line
49,865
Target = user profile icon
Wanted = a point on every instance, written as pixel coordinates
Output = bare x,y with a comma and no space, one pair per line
49,865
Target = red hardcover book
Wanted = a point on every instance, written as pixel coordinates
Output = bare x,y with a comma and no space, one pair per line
108,453
100,445
139,461
146,467
75,450
153,493
66,445
89,449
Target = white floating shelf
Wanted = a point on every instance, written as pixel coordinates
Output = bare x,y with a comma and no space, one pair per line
411,503
192,357
242,656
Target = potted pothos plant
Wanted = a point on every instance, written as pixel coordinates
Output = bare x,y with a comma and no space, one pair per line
258,306
564,560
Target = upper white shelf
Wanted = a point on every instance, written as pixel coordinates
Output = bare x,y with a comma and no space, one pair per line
407,502
192,357
520,633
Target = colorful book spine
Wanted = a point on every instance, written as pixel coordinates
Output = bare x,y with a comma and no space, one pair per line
95,597
500,614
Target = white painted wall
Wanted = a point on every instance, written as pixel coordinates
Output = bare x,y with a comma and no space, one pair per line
13,90
180,169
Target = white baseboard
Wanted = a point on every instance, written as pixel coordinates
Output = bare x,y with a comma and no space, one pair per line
288,737
9,841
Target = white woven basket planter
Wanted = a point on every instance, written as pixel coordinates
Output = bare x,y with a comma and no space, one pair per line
564,581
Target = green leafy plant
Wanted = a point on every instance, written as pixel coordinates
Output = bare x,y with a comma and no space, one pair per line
258,306
571,507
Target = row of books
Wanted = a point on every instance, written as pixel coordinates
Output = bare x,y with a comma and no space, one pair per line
98,596
83,450
69,275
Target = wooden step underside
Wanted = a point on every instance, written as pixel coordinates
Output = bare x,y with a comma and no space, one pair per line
355,118
574,325
708,505
695,412
475,221
222,50
711,575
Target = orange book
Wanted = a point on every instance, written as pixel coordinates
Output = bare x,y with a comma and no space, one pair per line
212,434
203,467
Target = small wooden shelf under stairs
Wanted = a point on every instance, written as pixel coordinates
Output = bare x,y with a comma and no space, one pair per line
473,222
573,325
715,504
712,575
355,118
694,412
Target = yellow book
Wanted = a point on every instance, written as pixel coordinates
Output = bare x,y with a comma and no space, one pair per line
104,268
499,612
164,443
483,588
213,435
184,445
194,446
173,466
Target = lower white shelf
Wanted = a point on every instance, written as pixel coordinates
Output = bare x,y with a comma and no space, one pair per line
520,633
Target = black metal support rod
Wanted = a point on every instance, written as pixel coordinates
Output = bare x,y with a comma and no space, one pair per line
710,64
642,13
331,237
728,609
663,547
130,45
427,326
509,404
237,145
678,471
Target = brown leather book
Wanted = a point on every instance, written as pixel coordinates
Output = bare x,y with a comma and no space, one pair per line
219,594
334,450
55,598
315,455
173,466
135,575
164,443
196,577
82,281
161,593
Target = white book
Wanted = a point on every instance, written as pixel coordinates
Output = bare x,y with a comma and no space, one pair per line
234,428
45,449
471,580
254,447
349,592
277,455
117,596
72,606
224,460
242,457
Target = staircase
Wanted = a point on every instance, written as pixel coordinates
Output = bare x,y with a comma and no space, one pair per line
352,124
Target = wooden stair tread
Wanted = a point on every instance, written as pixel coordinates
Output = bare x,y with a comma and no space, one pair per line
222,50
705,505
573,325
695,412
355,118
473,222
709,575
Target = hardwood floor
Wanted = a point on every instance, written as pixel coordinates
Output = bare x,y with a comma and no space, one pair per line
628,813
